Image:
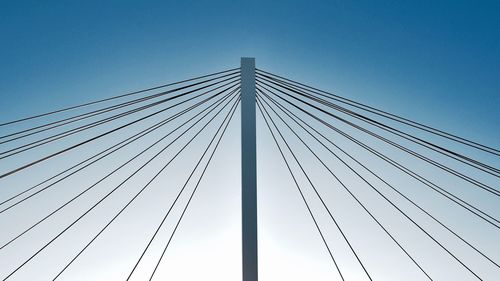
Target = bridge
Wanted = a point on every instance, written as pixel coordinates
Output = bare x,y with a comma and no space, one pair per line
340,155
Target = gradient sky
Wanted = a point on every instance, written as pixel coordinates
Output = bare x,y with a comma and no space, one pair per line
436,62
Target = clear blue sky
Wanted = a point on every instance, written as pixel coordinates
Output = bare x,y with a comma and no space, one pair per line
436,62
401,55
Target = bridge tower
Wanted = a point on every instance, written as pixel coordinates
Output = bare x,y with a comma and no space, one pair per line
248,171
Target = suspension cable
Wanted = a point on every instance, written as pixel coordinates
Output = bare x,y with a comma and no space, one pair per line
121,210
390,116
112,98
79,117
81,143
436,148
49,139
262,108
118,147
196,186
407,150
302,196
474,210
124,164
294,117
109,193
